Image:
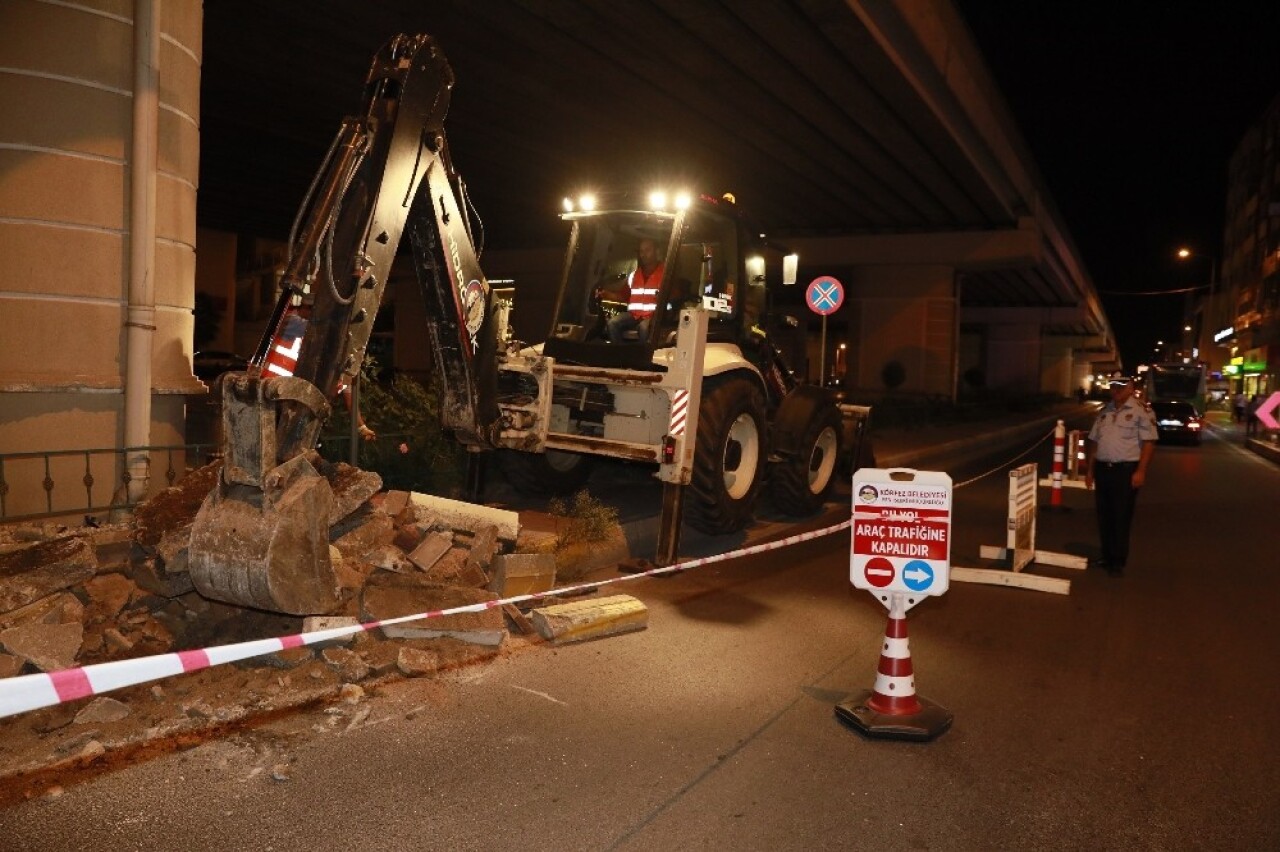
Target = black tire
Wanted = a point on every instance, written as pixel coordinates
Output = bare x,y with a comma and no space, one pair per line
554,473
729,461
800,486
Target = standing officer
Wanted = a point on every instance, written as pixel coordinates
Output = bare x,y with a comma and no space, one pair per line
1121,444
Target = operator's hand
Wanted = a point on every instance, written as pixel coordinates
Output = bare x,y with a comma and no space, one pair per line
1139,477
366,433
1088,479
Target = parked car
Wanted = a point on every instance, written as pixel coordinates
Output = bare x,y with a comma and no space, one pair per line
1177,421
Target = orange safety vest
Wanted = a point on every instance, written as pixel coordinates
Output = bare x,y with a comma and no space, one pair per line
644,291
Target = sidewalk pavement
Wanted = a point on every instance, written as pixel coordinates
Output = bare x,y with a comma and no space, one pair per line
912,447
1265,443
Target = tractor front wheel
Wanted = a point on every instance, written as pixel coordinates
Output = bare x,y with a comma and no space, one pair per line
728,464
800,485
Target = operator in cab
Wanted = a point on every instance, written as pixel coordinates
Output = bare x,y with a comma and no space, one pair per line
644,284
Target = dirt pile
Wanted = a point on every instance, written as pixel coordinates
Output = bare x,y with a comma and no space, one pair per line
75,596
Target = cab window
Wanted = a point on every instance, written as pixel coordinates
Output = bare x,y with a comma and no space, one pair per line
705,270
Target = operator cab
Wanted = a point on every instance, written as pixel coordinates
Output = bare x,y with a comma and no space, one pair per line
700,248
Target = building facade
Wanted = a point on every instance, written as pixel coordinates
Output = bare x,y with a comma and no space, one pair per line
1250,291
99,160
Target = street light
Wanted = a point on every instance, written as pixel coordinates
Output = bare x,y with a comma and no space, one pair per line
1211,318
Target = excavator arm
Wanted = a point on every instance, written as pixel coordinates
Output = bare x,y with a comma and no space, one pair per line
261,537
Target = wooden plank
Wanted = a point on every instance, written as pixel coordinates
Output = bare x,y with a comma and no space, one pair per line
591,619
990,551
1042,557
996,577
1061,560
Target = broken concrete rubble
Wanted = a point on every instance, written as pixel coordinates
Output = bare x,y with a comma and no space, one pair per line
57,608
591,619
430,549
29,574
48,647
102,709
523,574
124,592
470,517
10,665
389,596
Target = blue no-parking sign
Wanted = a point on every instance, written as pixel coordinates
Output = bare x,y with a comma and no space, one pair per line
824,295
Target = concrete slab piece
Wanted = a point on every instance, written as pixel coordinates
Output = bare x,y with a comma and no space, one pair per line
430,550
523,574
590,619
469,516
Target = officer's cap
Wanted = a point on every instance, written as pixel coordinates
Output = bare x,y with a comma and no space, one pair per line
1118,380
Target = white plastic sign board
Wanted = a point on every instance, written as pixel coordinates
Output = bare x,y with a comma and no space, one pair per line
1021,539
901,531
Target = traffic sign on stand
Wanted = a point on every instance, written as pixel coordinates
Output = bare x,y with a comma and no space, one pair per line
901,552
1020,545
901,532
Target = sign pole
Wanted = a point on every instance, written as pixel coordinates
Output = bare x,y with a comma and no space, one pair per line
822,357
824,296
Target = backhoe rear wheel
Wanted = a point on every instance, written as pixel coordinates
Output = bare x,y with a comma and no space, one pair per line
800,485
728,464
554,473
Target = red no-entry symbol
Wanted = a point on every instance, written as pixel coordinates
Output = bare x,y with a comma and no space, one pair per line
879,572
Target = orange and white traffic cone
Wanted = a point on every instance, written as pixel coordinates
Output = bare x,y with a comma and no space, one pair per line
1059,456
892,709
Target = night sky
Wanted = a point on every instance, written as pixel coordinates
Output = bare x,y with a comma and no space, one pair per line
1131,110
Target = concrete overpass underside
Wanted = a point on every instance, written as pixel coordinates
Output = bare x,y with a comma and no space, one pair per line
867,135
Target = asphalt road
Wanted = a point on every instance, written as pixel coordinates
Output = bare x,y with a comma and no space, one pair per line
1135,713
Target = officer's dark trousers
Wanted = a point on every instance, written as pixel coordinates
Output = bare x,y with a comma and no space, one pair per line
1116,498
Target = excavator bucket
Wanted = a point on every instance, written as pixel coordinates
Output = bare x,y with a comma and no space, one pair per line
264,549
261,537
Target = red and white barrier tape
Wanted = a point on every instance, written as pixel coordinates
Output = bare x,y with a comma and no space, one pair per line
31,692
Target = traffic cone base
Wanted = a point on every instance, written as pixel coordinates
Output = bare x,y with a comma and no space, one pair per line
930,721
892,710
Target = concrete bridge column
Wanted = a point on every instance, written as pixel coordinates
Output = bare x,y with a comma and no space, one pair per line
901,323
67,86
1013,356
1057,365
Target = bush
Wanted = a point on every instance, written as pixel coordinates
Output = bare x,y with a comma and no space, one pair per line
411,452
589,520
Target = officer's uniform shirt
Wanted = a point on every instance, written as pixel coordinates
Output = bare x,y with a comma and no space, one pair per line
1119,432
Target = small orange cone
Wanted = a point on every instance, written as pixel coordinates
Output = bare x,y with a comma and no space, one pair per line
892,710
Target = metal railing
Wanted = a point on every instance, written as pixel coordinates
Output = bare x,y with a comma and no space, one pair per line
54,483
49,471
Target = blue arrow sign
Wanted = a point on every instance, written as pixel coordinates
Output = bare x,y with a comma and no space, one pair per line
917,575
824,295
